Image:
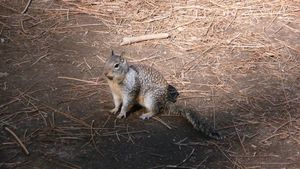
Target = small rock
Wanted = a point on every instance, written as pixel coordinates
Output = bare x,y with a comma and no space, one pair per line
3,74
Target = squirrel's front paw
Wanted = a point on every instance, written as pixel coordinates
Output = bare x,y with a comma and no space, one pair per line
121,115
114,110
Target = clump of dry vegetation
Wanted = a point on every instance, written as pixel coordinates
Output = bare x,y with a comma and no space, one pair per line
197,25
230,37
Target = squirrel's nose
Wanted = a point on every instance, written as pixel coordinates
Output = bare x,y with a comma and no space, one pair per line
107,75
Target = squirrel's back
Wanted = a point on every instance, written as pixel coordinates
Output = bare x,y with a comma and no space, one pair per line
149,77
151,82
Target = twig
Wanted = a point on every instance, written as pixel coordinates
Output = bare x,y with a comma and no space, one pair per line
39,59
256,156
284,124
202,161
69,138
188,157
272,163
232,161
63,163
68,115
232,126
146,58
78,26
18,140
22,26
237,133
8,7
123,133
162,122
235,14
184,24
182,167
130,40
181,141
158,166
272,136
87,64
80,80
5,25
93,140
129,136
9,102
26,7
104,124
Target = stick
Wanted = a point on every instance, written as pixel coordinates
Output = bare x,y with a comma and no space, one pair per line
162,122
93,140
80,80
87,63
68,115
235,163
241,142
78,26
272,136
18,140
284,124
123,133
4,24
187,158
26,7
129,40
39,59
10,102
202,161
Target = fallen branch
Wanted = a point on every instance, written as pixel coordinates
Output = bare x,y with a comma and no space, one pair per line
130,40
18,140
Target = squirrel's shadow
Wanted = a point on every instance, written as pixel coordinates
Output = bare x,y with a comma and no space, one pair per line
134,108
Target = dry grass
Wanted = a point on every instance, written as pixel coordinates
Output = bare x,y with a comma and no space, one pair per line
206,34
195,26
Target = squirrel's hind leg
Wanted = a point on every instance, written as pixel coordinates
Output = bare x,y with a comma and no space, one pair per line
152,107
147,115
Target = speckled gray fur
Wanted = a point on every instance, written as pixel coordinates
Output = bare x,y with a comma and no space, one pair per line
141,84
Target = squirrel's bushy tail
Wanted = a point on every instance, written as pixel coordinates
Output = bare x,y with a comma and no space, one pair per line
199,123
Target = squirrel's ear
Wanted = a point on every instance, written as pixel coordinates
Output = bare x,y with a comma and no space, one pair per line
112,52
123,60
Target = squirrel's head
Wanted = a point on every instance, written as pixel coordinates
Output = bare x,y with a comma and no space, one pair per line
116,67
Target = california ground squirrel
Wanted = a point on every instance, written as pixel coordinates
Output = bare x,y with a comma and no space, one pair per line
133,84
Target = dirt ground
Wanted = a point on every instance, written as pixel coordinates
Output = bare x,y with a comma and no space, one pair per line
54,98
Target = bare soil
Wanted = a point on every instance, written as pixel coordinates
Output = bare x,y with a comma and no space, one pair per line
54,98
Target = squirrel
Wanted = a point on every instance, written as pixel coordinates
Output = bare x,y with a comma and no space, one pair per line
137,84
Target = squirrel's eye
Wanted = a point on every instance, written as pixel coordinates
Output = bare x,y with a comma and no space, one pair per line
116,66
